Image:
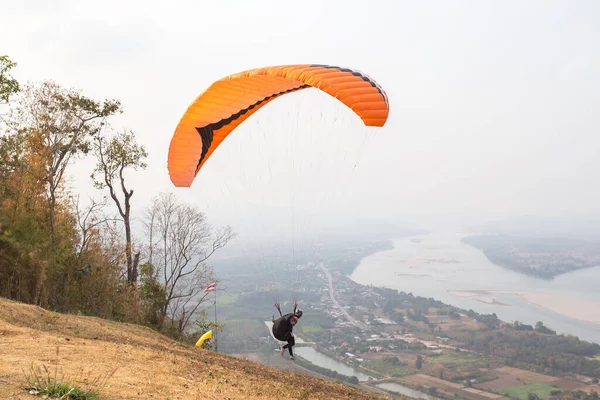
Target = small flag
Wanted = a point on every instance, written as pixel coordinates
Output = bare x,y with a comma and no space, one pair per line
211,287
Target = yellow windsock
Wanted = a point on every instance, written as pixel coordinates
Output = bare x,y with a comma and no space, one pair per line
207,335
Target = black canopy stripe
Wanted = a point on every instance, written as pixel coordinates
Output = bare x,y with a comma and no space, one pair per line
207,132
356,73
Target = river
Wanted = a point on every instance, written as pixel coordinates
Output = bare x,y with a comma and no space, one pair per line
320,359
412,393
438,265
324,361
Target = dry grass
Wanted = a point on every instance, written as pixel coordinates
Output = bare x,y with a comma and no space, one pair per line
143,363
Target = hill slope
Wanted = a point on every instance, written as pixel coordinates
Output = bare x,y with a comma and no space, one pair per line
148,365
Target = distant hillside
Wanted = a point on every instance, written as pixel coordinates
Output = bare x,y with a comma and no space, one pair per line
581,227
148,365
542,257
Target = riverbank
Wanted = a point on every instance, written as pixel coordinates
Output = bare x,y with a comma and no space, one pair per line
579,309
568,304
406,353
540,257
419,342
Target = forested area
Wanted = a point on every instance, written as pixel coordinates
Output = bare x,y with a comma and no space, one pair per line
543,353
71,253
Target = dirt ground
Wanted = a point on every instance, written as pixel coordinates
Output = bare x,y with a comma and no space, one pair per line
144,364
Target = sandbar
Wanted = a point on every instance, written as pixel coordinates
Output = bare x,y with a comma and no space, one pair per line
583,310
490,301
468,293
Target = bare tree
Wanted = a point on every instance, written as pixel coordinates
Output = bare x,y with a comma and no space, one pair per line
184,241
114,155
149,220
89,219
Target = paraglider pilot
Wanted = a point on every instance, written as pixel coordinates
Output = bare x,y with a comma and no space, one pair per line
283,328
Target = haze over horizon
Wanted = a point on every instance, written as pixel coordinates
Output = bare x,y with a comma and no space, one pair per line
493,106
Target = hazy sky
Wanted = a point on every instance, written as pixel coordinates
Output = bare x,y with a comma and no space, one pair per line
494,104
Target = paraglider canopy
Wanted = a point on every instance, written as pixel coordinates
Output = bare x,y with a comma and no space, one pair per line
229,101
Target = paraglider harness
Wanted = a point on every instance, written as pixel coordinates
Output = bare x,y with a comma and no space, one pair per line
283,329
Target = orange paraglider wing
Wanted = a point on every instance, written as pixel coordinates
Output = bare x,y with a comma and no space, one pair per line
230,101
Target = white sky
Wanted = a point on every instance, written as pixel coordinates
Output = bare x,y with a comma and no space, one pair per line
494,104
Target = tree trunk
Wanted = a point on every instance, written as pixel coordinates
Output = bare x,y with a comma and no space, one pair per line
52,208
162,316
130,277
39,285
134,266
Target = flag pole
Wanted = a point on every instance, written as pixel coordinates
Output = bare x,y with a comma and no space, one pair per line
216,330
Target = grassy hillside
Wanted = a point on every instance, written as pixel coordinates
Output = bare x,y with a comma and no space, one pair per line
137,363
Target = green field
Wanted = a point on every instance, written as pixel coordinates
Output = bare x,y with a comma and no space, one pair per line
389,369
522,391
226,299
308,329
453,359
241,327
